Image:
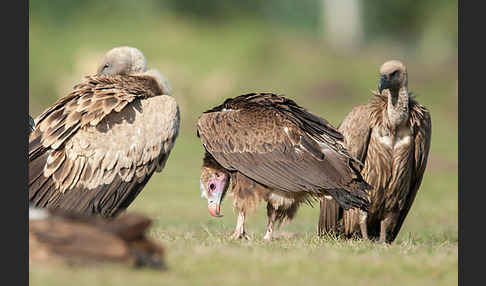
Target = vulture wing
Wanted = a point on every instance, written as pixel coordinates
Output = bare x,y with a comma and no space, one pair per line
95,149
422,131
357,131
274,141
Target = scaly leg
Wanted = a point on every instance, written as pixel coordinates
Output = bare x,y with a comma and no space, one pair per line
384,225
240,227
363,216
272,215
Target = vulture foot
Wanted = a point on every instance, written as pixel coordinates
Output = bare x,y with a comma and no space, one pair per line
272,215
268,236
240,228
384,229
239,235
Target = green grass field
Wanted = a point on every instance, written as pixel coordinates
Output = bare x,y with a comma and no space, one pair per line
206,64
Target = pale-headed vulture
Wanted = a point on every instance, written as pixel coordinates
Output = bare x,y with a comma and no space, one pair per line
94,150
391,136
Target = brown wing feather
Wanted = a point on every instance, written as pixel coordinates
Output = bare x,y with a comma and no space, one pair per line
278,147
422,126
85,156
330,215
356,131
31,125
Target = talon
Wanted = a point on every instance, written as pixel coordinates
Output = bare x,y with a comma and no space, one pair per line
239,235
267,237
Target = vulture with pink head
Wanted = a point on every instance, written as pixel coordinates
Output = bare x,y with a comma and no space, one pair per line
274,150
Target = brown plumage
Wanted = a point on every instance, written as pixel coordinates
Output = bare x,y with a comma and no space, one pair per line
274,150
93,151
31,124
60,237
391,136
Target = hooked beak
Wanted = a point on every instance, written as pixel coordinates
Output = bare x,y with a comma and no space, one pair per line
214,190
214,204
383,84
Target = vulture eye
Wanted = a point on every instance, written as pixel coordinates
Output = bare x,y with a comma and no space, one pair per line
212,187
106,66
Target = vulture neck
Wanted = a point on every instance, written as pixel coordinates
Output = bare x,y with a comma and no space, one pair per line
398,107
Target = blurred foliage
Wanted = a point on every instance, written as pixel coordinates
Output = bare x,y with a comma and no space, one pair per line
400,20
303,14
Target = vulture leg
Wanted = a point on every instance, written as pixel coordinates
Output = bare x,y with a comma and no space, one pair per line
240,227
272,215
363,217
385,227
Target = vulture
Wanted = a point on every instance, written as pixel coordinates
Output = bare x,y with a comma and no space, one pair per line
63,237
31,124
273,149
391,137
94,150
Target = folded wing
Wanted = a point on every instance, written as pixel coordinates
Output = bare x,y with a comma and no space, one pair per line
95,149
279,144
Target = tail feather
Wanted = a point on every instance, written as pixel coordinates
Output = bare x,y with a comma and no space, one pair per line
351,223
329,217
357,198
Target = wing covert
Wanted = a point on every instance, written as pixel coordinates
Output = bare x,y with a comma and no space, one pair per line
270,148
357,131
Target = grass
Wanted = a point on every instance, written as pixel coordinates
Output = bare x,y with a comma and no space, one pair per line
206,64
199,258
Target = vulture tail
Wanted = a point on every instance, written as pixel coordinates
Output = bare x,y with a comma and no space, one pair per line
357,195
329,216
331,211
348,200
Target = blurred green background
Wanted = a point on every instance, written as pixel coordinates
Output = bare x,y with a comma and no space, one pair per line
325,55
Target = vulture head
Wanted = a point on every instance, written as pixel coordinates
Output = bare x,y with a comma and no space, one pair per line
393,75
123,61
214,183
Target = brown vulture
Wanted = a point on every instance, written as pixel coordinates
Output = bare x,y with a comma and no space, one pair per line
275,150
93,151
59,237
391,136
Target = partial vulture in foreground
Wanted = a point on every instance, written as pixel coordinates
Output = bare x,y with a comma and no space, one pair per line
58,237
391,136
31,124
275,150
93,151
